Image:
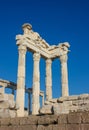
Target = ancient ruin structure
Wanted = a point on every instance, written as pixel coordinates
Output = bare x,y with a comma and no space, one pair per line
64,113
32,41
8,106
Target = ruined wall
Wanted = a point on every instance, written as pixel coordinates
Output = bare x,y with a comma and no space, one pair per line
65,105
72,121
8,106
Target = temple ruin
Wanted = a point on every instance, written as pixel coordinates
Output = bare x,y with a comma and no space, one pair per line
32,42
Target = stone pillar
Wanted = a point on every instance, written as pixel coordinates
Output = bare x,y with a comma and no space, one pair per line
29,103
20,97
48,79
64,75
36,85
43,100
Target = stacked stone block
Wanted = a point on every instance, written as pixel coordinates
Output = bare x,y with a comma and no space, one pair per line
8,106
66,105
72,121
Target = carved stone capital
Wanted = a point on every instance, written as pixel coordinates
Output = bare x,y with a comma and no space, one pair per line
26,28
22,49
36,56
48,61
63,58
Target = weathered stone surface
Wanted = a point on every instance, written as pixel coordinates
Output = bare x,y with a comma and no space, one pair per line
46,109
78,102
60,109
6,128
7,106
28,127
68,104
4,113
48,119
4,105
11,97
84,127
83,96
62,119
47,103
73,127
5,122
85,117
12,113
49,127
48,79
67,98
3,97
31,120
64,75
1,90
41,127
74,118
25,127
15,121
73,108
59,127
83,108
12,104
36,84
73,121
53,100
85,101
6,97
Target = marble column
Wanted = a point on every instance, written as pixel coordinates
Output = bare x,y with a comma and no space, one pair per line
29,103
48,79
20,97
64,75
36,85
43,100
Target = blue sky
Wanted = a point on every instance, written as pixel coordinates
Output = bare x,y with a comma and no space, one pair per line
56,21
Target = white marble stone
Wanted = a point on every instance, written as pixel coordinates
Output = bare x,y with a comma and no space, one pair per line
64,75
21,81
48,79
36,85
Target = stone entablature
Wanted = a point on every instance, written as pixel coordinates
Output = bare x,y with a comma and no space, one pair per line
33,41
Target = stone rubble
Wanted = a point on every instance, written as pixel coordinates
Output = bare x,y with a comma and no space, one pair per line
8,107
65,105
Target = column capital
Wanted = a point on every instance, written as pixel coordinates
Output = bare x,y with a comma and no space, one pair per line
22,49
36,56
48,61
63,58
26,28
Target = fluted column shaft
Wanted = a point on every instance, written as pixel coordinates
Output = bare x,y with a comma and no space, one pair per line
64,75
21,81
36,84
29,103
48,79
43,100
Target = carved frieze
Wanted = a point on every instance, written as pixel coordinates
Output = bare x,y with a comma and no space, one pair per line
34,42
